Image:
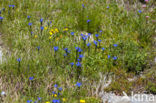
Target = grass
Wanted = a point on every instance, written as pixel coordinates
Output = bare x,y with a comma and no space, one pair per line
125,35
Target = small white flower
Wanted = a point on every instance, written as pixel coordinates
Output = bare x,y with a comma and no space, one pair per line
3,93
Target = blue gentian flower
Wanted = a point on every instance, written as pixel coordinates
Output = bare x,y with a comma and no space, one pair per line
3,9
139,11
88,21
72,33
31,33
81,56
29,24
78,64
95,42
19,60
107,7
81,34
114,58
38,47
65,54
55,85
41,20
115,45
53,92
78,84
89,34
35,102
42,28
39,98
58,94
58,101
83,5
31,78
1,18
100,31
99,41
28,17
72,64
56,48
103,49
79,50
29,101
55,101
84,38
66,49
109,56
60,89
97,35
88,44
13,6
78,60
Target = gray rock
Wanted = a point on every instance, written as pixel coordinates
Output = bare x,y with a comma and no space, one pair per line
135,98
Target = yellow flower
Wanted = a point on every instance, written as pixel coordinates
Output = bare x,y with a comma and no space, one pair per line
45,28
55,95
50,33
64,99
56,30
52,30
65,29
50,37
47,102
82,101
35,36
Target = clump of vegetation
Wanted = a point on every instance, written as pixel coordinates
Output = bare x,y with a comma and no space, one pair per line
151,87
120,83
151,84
134,57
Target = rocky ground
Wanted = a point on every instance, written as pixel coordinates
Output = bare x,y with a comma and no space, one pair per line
136,98
110,97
